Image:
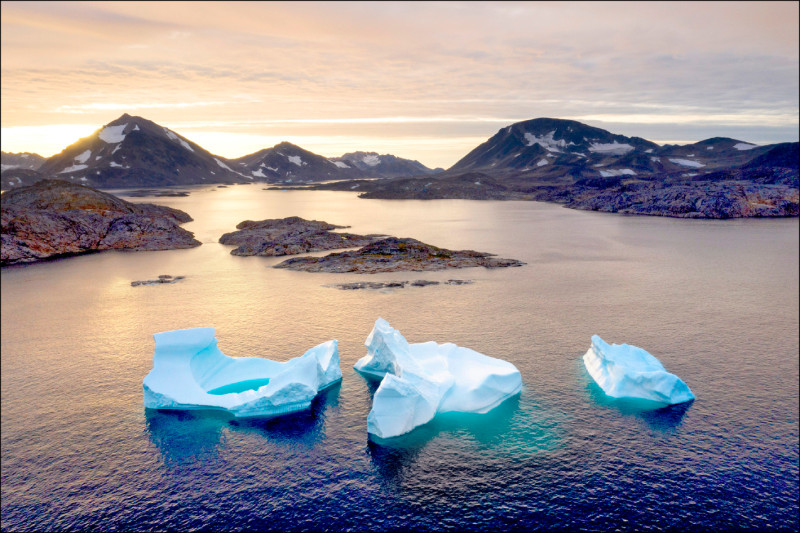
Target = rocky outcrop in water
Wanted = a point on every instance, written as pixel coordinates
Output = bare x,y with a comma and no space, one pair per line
394,284
54,218
291,235
393,254
162,279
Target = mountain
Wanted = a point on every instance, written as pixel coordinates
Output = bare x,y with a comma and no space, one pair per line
548,146
19,170
383,166
135,152
585,167
24,160
288,163
555,149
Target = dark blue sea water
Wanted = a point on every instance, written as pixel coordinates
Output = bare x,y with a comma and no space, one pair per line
715,301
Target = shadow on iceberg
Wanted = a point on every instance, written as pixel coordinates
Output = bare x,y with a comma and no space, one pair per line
186,436
657,415
485,429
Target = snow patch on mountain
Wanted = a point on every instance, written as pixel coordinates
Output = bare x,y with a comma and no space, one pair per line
614,148
546,141
744,146
83,157
542,162
371,160
687,163
223,165
340,164
296,160
73,168
617,172
113,134
174,137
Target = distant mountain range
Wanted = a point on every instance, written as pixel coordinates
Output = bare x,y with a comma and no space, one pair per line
543,159
136,152
590,168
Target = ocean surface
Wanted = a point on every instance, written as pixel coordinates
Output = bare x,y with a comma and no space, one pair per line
715,301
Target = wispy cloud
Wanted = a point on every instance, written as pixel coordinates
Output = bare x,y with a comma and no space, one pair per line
436,65
132,107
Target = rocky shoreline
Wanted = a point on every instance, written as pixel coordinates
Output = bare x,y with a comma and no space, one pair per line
54,218
394,254
289,236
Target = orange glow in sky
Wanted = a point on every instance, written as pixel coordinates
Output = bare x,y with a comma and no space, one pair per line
420,80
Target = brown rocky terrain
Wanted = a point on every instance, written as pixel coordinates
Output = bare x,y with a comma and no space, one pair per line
394,254
290,235
55,218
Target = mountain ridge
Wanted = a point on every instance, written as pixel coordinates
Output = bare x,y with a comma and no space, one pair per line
545,159
132,151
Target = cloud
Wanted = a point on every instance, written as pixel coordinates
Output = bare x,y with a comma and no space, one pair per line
646,63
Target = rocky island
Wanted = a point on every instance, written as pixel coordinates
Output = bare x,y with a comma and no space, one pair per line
394,254
290,235
55,218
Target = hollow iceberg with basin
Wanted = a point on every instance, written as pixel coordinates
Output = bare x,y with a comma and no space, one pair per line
625,371
420,380
190,372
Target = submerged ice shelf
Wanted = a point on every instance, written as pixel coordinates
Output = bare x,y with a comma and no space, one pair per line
420,380
624,371
190,372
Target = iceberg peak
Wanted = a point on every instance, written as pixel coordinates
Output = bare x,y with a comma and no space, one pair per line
420,380
625,371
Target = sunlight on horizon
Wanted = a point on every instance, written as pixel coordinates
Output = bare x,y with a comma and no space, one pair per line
44,140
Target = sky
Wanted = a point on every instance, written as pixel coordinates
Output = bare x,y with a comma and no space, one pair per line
420,80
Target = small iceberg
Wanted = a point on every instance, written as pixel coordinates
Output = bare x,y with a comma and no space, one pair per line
420,380
624,371
190,372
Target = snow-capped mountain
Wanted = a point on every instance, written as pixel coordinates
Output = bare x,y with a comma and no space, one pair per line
134,152
382,165
585,167
288,163
553,148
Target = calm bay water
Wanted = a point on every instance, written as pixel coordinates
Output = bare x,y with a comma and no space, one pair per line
715,301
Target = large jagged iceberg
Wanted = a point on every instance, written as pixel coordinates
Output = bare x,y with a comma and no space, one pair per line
420,380
624,371
190,372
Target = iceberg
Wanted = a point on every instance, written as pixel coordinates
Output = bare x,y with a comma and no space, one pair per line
190,372
624,371
420,380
